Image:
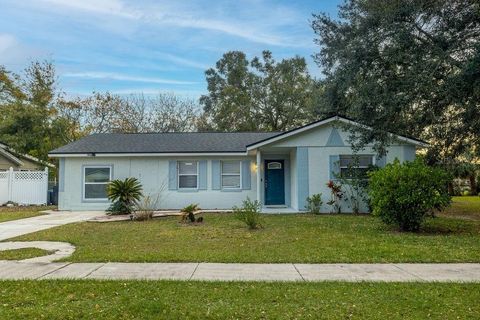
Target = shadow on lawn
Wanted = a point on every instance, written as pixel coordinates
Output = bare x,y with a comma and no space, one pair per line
448,226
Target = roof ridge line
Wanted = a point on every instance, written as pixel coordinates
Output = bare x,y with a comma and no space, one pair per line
186,132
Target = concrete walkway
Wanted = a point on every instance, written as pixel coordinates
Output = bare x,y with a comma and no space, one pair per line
60,250
400,272
15,228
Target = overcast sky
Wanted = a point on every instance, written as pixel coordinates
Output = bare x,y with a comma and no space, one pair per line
150,46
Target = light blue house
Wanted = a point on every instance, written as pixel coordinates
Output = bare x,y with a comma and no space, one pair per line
218,170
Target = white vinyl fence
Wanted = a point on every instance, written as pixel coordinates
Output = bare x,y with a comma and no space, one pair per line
24,187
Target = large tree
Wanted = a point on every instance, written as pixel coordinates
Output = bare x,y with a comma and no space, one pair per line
261,94
36,116
29,121
106,112
404,66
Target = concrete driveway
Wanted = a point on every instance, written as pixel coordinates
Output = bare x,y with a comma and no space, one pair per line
15,228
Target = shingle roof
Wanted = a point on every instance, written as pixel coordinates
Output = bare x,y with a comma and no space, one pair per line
191,142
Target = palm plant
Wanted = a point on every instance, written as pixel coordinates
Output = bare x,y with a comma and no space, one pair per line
189,212
124,194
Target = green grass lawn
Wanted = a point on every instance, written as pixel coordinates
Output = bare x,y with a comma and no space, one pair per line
15,213
285,238
236,300
25,253
466,207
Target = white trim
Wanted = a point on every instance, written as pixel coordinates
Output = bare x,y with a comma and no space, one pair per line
231,174
259,177
326,121
190,154
85,183
190,174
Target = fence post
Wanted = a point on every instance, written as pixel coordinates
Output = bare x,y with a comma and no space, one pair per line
10,183
45,183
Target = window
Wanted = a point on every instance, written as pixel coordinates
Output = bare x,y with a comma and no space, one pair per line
95,181
187,174
274,165
231,174
355,165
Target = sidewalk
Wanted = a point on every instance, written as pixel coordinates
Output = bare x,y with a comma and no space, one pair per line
399,272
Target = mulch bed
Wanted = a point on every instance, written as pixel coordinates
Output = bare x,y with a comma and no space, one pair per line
156,214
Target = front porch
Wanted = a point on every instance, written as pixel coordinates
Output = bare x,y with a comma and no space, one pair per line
282,178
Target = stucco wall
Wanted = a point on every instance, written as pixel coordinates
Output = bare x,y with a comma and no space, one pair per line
319,166
319,152
153,174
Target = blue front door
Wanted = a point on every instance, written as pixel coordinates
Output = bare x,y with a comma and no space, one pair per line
274,182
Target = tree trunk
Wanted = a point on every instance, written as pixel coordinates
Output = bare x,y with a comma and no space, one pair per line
473,185
450,189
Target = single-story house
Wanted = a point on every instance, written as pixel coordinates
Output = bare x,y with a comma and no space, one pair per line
9,158
217,170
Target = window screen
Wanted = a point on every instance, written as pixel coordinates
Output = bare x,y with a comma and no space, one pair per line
187,174
96,180
355,166
231,174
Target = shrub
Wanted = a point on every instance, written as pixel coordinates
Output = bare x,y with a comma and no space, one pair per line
124,194
404,194
249,214
119,207
314,203
144,209
189,212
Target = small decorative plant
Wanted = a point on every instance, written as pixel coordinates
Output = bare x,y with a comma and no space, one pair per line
337,195
249,214
124,194
144,209
189,213
314,203
354,186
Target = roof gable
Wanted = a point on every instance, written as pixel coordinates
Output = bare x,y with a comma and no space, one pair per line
334,140
19,158
323,123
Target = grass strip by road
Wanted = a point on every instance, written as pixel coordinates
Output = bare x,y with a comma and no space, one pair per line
88,299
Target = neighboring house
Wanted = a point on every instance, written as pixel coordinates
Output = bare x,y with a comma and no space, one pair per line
217,170
9,158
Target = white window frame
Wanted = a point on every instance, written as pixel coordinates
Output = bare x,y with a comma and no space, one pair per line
231,174
84,198
354,155
183,174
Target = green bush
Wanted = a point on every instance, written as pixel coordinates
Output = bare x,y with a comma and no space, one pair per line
118,207
404,194
314,203
249,213
124,194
